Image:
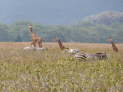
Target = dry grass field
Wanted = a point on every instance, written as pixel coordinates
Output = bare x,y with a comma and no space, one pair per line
56,71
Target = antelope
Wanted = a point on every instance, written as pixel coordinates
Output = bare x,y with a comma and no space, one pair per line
62,47
114,47
36,40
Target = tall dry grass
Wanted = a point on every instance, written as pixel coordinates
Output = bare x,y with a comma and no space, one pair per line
56,71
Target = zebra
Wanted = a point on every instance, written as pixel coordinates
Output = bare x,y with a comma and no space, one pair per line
85,56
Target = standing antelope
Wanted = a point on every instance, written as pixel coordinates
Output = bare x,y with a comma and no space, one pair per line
62,47
36,40
113,45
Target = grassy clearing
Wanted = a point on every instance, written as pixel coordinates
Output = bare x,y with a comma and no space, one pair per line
56,71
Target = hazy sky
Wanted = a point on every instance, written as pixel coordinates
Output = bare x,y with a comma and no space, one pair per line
54,11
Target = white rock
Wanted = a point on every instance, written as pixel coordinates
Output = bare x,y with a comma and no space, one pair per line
72,51
29,48
34,48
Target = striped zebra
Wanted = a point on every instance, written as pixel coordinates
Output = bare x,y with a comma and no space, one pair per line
85,56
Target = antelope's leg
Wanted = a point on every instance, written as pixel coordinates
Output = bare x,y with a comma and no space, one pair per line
39,43
33,43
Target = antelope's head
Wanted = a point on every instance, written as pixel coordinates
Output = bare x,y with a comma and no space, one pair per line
30,27
59,42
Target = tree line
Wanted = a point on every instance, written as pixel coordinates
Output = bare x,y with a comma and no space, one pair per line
85,31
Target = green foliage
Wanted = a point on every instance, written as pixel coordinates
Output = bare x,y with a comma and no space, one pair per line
4,35
84,31
18,38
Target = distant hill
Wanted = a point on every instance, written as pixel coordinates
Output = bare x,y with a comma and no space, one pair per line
106,18
95,28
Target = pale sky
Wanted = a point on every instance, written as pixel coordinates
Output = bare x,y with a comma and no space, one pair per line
54,11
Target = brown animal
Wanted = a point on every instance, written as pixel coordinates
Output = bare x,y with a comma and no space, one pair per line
113,45
62,47
68,50
36,40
